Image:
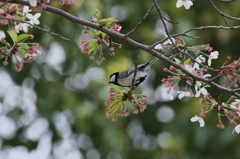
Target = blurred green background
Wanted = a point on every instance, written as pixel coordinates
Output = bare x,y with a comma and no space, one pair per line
54,108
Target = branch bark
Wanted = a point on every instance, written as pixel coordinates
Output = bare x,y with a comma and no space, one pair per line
136,44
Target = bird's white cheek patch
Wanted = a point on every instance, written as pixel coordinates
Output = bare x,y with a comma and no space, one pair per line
112,79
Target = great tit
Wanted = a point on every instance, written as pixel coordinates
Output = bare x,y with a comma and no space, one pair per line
124,78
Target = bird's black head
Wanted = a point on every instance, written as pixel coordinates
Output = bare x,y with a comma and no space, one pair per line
114,78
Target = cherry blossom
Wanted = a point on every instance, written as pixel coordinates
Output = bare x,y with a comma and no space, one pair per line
168,41
213,55
116,27
200,120
237,129
34,18
189,67
184,94
236,105
199,59
22,26
158,47
26,10
2,35
33,3
202,91
167,94
186,3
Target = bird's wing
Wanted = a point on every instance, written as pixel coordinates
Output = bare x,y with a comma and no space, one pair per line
141,67
126,73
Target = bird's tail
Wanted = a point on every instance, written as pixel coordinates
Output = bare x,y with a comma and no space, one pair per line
153,61
149,64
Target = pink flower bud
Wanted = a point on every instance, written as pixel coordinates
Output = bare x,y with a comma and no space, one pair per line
220,125
166,70
228,58
119,45
172,68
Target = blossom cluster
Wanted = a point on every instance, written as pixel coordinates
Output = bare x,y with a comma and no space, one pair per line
197,62
229,110
196,67
94,46
19,46
27,52
21,13
120,103
230,73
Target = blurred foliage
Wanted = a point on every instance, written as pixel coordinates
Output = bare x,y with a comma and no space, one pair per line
68,81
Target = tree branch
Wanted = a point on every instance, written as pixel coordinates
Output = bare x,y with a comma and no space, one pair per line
34,26
136,44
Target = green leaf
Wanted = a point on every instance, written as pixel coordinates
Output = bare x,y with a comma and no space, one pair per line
13,35
116,108
108,21
22,37
187,61
24,46
22,52
177,60
92,45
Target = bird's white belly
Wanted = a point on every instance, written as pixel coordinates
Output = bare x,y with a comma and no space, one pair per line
128,81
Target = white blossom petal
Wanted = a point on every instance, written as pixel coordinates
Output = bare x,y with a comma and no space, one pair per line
37,15
193,119
2,35
209,62
167,95
158,47
199,119
237,129
213,55
186,3
202,123
183,94
29,16
179,4
189,68
202,91
33,3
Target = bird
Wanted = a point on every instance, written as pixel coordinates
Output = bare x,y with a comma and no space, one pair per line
124,79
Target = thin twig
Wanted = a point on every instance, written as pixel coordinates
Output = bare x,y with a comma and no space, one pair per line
237,89
195,29
4,3
39,28
135,72
222,14
140,23
226,0
9,51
